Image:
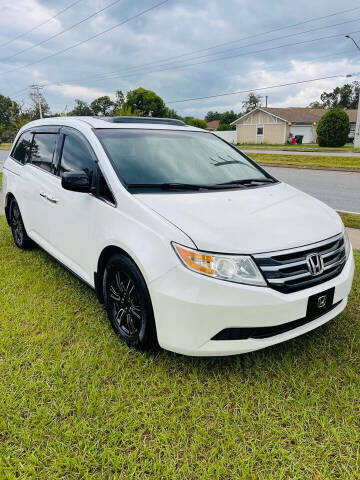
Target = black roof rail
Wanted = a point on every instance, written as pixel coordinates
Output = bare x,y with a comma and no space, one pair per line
162,121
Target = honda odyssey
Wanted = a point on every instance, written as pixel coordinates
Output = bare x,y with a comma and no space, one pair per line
189,243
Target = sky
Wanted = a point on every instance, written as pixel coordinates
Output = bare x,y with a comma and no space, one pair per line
180,49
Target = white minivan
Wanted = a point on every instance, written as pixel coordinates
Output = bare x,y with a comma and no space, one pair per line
189,243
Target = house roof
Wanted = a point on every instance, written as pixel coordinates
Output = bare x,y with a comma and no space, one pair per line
301,115
213,125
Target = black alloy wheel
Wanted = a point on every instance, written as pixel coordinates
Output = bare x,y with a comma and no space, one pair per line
20,236
128,303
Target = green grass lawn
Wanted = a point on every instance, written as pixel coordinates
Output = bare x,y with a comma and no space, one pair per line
303,147
307,160
351,220
5,146
78,404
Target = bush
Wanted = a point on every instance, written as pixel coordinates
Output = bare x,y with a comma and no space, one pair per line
197,122
224,126
333,128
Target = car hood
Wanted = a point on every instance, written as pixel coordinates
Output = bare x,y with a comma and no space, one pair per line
251,220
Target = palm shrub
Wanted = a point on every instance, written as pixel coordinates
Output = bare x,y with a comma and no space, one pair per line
333,128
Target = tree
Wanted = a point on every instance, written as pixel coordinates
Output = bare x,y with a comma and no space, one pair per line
34,110
210,116
333,128
9,112
345,96
118,102
252,101
82,109
228,117
146,102
127,112
102,105
195,122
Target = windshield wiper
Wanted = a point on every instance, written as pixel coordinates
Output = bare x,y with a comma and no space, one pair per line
181,186
247,181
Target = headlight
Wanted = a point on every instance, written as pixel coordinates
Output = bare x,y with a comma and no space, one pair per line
347,244
232,268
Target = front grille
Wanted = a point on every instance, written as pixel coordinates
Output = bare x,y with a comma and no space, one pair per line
243,333
287,271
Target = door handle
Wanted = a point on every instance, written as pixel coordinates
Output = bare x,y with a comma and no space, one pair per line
43,194
52,199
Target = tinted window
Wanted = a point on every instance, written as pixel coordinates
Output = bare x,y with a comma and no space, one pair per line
42,151
22,148
161,156
76,156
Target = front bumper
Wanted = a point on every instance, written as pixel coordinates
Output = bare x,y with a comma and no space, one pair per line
190,309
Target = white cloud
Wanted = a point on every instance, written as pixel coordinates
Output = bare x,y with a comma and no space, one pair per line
78,91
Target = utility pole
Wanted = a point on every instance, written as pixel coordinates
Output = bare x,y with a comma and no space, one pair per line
266,98
36,89
357,128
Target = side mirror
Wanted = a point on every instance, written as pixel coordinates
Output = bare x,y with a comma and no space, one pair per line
76,182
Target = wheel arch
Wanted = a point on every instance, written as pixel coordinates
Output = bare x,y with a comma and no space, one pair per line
106,253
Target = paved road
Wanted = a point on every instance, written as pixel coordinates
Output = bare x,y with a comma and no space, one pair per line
296,152
3,155
337,189
340,190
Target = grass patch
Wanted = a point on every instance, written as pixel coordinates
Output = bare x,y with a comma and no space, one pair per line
1,180
307,160
78,404
303,147
351,220
5,146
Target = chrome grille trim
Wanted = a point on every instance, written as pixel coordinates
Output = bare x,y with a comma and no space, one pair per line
310,246
288,271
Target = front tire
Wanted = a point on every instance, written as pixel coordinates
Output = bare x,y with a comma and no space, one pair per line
128,304
18,230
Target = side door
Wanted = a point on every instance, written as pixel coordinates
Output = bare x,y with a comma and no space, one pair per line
37,177
78,216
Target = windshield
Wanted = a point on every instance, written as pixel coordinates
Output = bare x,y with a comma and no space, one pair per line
158,157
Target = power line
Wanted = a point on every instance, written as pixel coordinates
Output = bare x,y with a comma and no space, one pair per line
113,75
60,33
271,68
40,24
246,38
264,88
328,37
88,39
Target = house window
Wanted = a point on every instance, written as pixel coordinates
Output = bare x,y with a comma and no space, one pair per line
260,130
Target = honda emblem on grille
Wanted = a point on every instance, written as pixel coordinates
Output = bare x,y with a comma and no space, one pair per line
315,264
321,301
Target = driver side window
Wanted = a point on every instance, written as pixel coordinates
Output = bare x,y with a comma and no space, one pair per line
76,156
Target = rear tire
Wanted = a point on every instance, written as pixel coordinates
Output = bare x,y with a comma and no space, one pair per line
18,230
128,304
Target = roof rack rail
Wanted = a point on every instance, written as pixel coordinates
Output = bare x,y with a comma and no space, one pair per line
163,121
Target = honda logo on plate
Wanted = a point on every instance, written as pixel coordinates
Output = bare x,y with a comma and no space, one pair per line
315,264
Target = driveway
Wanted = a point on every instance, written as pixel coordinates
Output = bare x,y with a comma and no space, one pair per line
340,190
296,152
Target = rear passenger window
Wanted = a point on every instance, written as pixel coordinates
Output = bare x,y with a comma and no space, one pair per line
76,156
22,149
42,151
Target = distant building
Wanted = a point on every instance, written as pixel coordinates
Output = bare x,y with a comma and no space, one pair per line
213,125
276,125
